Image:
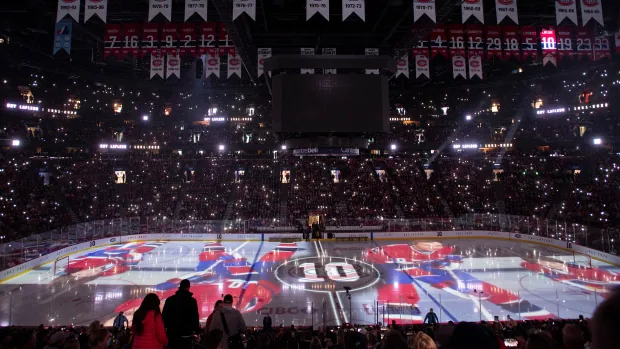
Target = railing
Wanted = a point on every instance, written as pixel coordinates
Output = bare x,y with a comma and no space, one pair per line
25,249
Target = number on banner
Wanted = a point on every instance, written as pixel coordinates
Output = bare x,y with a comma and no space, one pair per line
475,43
511,44
457,43
565,44
584,44
494,44
548,43
207,40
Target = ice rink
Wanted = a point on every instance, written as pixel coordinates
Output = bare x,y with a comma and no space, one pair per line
303,283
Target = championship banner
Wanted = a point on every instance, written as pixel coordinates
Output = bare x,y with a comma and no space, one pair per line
241,6
494,42
528,42
68,7
173,65
566,9
592,9
472,8
402,66
506,8
188,40
112,41
475,40
131,32
96,7
157,65
511,42
234,64
206,39
62,36
457,40
307,51
350,7
459,68
372,52
439,41
150,39
329,52
317,6
196,6
169,37
565,42
602,49
422,66
423,45
547,43
160,6
212,62
424,7
225,46
475,66
584,43
263,53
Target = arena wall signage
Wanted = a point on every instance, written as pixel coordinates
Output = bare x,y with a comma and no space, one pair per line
326,152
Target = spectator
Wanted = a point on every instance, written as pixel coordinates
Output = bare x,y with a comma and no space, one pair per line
231,323
181,317
605,322
315,343
267,323
148,326
216,307
72,344
539,341
394,340
431,318
99,339
119,322
213,339
57,340
572,337
468,335
423,341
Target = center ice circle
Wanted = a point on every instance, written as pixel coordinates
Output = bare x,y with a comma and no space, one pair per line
327,274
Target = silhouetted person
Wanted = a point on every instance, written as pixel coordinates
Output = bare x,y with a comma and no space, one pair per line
181,317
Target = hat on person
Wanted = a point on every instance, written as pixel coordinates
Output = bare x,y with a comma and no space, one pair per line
184,284
228,299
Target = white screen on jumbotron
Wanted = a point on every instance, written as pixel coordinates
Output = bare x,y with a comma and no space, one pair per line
317,103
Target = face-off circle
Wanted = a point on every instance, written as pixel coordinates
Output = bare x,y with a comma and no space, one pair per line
327,274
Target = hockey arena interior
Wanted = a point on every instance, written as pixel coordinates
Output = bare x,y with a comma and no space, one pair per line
396,174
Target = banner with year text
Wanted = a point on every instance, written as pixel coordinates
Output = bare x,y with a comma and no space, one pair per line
169,38
131,33
188,40
112,41
475,40
494,42
602,48
511,42
206,38
225,45
150,39
584,43
565,43
456,40
548,45
529,43
439,41
212,60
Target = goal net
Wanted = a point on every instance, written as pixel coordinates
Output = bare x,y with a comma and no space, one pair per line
60,266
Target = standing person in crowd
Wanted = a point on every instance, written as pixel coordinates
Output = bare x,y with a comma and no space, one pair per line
119,322
315,343
230,321
267,323
181,317
431,318
423,341
216,307
604,325
148,325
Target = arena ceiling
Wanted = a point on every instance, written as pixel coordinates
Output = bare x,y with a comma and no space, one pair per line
280,25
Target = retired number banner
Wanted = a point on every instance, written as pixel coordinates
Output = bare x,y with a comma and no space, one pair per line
457,40
225,46
494,42
420,54
584,43
112,41
548,45
130,40
263,53
206,38
529,42
169,38
150,39
475,40
564,44
601,48
511,42
439,41
188,39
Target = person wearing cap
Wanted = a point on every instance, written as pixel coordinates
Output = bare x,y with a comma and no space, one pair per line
181,317
230,321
